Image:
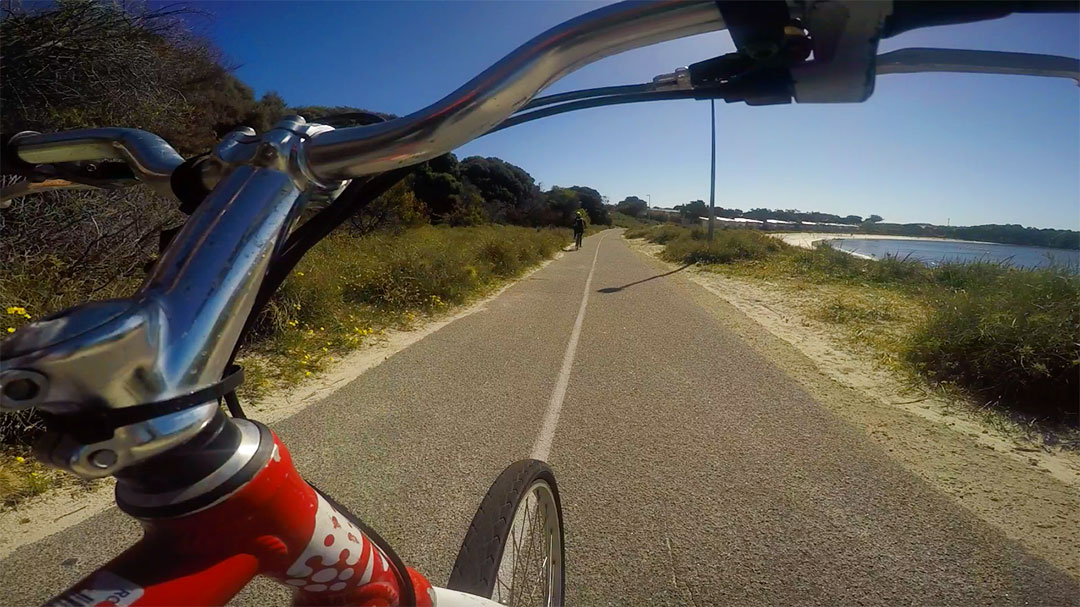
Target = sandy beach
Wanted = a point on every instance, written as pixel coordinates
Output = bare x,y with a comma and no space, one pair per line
806,240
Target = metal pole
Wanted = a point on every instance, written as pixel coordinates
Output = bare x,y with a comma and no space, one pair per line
712,173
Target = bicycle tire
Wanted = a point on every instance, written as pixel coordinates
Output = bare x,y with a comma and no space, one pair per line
478,562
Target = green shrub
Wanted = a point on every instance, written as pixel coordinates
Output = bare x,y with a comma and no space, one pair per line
622,220
666,233
1015,339
641,231
969,275
692,246
892,269
825,262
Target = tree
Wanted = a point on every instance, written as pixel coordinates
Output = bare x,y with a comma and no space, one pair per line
632,206
438,185
871,219
593,203
314,113
561,204
509,193
692,210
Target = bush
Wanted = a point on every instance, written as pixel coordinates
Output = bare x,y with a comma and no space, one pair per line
692,246
640,231
970,275
666,233
1015,338
622,220
892,269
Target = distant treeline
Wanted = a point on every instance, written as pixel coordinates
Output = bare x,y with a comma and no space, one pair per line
1005,234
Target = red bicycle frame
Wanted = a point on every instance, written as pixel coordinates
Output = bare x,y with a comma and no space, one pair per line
275,525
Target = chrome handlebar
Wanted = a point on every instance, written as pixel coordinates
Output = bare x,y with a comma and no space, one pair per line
488,99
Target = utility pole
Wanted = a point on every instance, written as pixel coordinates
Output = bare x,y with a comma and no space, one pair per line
712,172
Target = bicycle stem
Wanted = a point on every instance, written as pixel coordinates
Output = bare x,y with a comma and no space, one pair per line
173,337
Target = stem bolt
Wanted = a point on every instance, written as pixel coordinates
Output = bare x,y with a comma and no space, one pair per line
103,458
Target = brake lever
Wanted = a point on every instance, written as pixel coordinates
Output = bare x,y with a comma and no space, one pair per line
68,176
11,191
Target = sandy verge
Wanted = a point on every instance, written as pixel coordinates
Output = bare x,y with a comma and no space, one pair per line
1030,492
54,511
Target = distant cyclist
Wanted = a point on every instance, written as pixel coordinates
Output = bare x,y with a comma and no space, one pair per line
579,230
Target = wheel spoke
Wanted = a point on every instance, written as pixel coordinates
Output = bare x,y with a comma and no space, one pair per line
526,578
529,569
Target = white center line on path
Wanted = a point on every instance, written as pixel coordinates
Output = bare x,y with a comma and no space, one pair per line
542,447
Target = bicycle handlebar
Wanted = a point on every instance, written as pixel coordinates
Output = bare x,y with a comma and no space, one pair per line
486,101
499,91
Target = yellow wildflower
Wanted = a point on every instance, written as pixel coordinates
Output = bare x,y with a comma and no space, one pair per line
307,373
11,329
17,310
20,459
299,273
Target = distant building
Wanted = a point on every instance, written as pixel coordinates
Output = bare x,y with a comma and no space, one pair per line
733,222
778,225
658,214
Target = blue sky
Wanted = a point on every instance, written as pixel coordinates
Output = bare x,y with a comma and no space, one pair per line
965,149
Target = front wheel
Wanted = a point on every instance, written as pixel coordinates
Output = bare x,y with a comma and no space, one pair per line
513,551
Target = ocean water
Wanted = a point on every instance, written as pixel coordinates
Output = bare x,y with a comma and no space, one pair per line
933,252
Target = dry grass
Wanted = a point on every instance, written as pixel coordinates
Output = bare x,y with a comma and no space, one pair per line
21,476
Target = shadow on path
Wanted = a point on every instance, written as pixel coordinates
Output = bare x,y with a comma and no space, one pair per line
617,289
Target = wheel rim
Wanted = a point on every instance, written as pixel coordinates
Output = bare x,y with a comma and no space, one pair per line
530,571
